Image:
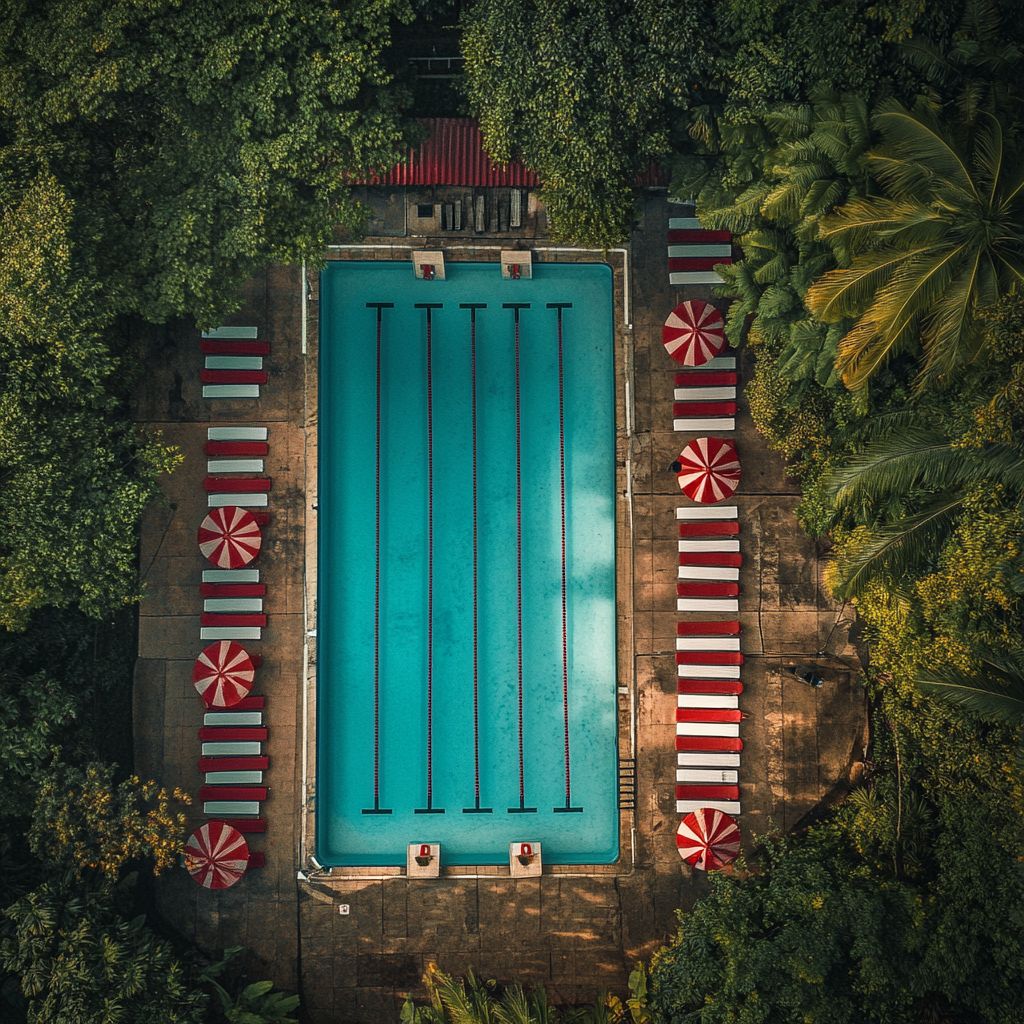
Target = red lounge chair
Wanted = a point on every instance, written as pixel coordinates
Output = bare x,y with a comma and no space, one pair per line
236,448
704,409
710,558
246,824
709,658
697,379
225,619
676,236
726,686
232,590
721,528
682,589
233,764
231,733
237,484
233,376
233,793
708,715
708,629
234,347
699,743
707,792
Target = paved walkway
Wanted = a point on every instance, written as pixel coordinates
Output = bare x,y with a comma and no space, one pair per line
575,934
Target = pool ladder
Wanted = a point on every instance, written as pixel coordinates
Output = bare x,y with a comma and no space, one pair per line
627,783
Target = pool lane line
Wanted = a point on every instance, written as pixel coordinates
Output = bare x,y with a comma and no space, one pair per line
568,808
377,809
522,808
476,809
430,808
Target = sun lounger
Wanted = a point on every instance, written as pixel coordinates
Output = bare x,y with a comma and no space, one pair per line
707,792
234,466
232,589
231,734
231,748
708,512
233,764
699,546
709,657
707,604
231,391
236,433
231,332
706,700
233,718
244,499
247,824
234,346
707,589
222,808
702,744
258,793
233,604
699,426
725,806
707,775
229,778
707,643
698,671
231,575
707,572
712,760
707,628
236,448
724,730
233,362
710,686
696,407
707,394
230,633
700,378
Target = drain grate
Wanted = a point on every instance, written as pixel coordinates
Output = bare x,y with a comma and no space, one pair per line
627,783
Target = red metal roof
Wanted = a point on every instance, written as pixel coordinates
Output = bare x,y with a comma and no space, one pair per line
453,154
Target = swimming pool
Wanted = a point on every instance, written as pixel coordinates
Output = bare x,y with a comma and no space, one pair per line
466,681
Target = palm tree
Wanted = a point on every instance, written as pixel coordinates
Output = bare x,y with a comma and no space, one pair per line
944,240
910,485
993,693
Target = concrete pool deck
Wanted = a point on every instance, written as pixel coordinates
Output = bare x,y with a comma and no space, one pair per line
574,929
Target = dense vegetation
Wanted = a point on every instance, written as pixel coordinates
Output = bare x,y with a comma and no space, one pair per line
153,155
867,159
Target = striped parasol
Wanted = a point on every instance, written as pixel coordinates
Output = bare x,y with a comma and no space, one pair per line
694,333
229,537
223,674
708,469
708,839
216,855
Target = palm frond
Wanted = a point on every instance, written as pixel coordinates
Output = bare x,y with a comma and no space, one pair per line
898,548
994,693
917,137
911,458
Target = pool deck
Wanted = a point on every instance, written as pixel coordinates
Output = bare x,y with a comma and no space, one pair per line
575,930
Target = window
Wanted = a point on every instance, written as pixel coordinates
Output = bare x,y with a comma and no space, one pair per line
424,212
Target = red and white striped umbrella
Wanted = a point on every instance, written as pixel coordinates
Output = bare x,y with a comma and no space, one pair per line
223,674
216,855
229,537
708,469
708,839
694,333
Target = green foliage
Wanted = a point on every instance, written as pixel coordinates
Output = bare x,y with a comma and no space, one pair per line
79,959
813,937
475,1001
74,474
586,95
83,820
197,144
256,1003
944,240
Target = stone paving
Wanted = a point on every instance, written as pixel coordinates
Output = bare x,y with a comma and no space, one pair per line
574,929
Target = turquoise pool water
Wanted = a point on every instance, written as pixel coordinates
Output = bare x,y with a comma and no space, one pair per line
422,705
